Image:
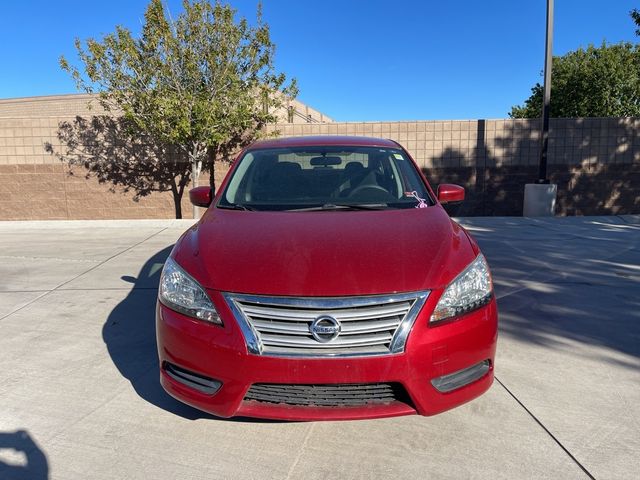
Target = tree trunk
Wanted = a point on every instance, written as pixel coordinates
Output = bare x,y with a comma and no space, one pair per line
177,198
194,184
211,165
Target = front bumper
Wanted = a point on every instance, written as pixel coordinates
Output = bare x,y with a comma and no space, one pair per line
220,353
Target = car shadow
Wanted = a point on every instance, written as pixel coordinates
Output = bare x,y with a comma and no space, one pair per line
35,465
570,283
130,337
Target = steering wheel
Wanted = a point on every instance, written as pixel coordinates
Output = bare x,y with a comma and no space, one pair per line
361,188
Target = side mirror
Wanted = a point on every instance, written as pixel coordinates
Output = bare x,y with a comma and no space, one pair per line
200,196
450,193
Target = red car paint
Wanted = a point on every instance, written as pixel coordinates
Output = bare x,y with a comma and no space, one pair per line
332,254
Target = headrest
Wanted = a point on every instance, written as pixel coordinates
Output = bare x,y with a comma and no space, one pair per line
284,168
353,167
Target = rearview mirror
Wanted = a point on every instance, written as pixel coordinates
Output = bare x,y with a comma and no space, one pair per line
200,196
450,193
325,161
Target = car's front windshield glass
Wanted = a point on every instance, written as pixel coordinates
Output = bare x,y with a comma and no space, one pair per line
325,178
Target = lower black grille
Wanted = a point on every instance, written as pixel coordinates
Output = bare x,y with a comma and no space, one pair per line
330,395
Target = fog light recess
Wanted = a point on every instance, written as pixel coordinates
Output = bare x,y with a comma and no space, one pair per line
455,380
191,379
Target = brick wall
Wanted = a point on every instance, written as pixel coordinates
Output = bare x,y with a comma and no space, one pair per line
50,192
85,104
612,189
34,185
596,163
49,106
497,143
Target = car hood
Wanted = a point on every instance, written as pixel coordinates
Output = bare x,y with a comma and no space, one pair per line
324,253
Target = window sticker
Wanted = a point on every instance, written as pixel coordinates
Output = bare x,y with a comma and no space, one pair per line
421,201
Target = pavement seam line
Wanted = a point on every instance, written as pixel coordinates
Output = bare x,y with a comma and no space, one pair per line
83,273
26,304
110,258
553,437
29,257
117,289
303,447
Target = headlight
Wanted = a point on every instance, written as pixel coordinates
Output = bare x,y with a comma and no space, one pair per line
470,290
181,293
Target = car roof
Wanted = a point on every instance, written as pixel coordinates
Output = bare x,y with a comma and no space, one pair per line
322,140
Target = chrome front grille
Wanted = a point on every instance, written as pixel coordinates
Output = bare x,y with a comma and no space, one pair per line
326,326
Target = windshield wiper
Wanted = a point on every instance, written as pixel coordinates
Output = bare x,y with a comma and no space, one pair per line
236,206
342,206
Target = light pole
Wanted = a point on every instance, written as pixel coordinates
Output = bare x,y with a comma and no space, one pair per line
540,197
546,96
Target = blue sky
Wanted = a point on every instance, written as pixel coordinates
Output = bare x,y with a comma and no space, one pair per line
355,60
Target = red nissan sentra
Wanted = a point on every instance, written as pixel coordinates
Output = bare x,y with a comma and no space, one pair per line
326,281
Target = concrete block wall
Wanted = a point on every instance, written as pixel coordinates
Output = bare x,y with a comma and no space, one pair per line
496,143
35,185
85,104
595,161
49,106
51,192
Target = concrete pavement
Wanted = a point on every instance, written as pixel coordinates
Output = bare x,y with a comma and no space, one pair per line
79,396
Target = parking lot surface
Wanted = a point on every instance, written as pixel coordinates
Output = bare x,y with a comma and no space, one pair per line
80,398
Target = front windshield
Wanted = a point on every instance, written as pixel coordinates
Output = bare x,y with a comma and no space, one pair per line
325,178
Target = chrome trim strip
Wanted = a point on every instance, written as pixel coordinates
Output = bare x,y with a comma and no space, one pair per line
321,302
250,335
328,305
402,333
338,343
338,353
344,314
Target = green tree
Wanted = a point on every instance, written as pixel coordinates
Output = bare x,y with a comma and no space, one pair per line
593,82
202,86
635,16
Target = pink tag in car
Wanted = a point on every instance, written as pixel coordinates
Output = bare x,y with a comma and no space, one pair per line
421,201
